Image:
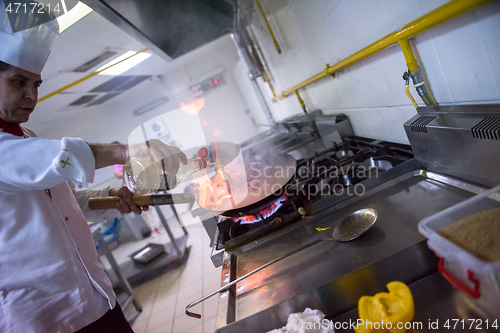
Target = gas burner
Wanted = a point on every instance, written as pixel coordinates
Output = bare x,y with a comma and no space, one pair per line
322,166
373,166
345,155
274,216
328,172
263,213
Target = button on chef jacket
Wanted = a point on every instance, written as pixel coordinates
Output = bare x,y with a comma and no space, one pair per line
50,276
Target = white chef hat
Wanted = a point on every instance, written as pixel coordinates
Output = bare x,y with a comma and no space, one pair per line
29,48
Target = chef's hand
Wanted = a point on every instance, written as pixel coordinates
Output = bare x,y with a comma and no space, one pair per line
171,156
159,151
123,205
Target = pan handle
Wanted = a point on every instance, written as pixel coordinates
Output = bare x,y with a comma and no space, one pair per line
110,202
229,285
142,200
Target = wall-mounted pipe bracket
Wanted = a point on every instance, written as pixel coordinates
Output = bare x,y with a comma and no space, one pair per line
327,72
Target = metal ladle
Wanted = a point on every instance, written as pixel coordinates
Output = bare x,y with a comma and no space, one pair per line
351,227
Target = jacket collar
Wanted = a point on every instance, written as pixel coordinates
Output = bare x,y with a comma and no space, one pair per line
14,129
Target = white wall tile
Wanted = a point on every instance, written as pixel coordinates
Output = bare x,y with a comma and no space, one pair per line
308,15
401,12
465,61
344,25
329,5
288,31
324,46
488,17
428,58
428,5
279,8
459,59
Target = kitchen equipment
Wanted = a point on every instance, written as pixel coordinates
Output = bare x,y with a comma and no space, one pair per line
320,172
254,181
355,225
262,181
403,195
478,279
458,140
195,22
351,227
143,175
147,253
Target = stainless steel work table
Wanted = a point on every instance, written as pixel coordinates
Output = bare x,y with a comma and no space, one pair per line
437,300
332,276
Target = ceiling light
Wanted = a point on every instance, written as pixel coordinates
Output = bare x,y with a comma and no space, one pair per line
151,106
134,58
74,15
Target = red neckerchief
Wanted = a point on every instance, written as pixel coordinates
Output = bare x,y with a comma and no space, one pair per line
14,129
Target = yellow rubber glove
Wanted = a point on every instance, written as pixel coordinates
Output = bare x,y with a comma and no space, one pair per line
385,311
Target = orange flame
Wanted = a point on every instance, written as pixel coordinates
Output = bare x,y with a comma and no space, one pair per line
214,192
193,107
263,214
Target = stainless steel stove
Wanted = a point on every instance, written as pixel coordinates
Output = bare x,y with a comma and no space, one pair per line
327,172
332,276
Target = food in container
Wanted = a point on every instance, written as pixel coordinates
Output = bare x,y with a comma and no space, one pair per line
477,234
467,269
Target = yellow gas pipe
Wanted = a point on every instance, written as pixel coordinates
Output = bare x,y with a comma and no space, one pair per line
411,62
276,44
437,16
266,79
301,101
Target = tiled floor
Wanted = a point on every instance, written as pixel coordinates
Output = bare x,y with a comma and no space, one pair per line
164,298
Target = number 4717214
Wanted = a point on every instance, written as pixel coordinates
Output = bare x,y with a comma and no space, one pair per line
32,7
470,324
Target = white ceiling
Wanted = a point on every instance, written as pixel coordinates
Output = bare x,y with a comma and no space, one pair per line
90,37
78,44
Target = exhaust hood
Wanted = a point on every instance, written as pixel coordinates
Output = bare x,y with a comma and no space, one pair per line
171,28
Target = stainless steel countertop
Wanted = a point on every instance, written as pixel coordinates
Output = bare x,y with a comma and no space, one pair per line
437,301
332,276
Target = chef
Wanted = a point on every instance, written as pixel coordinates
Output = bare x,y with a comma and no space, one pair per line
50,276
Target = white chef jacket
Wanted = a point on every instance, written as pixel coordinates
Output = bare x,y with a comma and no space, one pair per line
50,276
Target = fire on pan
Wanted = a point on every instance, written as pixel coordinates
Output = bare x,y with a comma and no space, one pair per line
246,186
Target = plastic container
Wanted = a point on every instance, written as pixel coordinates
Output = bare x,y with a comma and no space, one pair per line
478,279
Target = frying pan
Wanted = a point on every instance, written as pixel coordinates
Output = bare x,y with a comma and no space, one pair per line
261,183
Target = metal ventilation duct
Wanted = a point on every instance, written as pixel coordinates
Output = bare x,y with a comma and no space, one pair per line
171,26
